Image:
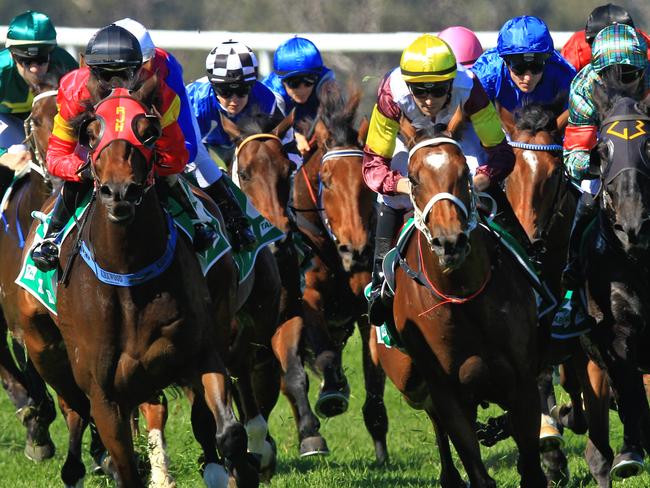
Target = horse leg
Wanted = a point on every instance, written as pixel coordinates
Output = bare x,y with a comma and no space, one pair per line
595,388
295,385
374,410
449,475
554,460
155,414
28,393
114,427
73,471
524,417
573,416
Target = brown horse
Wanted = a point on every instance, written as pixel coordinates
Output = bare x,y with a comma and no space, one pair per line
264,172
335,212
540,192
466,316
34,407
144,336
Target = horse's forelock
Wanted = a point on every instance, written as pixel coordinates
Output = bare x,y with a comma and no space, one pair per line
338,115
257,122
535,117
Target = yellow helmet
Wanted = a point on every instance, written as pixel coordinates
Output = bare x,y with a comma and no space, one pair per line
428,59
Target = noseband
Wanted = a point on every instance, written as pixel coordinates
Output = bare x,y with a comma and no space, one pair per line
420,216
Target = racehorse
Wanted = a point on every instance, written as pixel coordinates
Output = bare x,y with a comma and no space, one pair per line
465,315
616,250
540,192
162,327
334,210
34,407
263,172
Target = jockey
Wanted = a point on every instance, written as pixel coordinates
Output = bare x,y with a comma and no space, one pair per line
30,57
428,88
113,58
464,43
208,174
577,49
298,78
619,46
231,90
524,67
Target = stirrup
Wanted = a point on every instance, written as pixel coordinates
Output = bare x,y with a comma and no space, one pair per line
45,255
241,234
204,236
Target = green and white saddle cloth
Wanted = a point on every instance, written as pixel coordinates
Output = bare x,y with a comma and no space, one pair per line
43,285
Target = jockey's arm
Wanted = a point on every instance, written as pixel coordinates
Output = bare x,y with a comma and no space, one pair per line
487,125
62,161
172,155
380,145
581,135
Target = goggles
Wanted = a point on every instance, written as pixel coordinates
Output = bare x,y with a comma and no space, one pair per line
228,90
435,90
26,61
295,81
521,63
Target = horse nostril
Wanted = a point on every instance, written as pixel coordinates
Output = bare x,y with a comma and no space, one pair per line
344,248
133,192
105,191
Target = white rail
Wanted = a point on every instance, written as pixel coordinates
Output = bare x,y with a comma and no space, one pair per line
264,43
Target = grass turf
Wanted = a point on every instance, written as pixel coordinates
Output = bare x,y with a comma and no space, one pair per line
414,458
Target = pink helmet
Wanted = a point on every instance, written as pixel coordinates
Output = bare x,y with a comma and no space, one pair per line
464,43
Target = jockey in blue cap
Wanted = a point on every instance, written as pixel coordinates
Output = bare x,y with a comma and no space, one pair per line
524,67
298,77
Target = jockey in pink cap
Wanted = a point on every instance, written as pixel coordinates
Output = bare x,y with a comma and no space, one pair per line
464,43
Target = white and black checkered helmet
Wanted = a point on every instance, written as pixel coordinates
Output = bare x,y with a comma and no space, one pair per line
231,62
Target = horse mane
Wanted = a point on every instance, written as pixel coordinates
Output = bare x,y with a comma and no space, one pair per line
338,115
258,122
611,90
538,117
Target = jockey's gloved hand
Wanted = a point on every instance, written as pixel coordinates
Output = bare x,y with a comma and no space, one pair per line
85,172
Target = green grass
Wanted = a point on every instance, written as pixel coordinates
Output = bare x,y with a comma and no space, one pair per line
411,442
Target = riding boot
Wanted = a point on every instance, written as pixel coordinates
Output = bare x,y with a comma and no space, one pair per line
204,235
46,253
573,274
237,225
506,217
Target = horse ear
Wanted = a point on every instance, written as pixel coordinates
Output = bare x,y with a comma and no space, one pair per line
363,130
321,132
507,119
285,125
408,131
601,98
82,60
147,91
230,128
455,123
562,121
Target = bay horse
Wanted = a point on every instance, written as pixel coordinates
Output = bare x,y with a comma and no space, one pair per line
616,253
26,389
541,194
466,316
263,172
334,210
128,342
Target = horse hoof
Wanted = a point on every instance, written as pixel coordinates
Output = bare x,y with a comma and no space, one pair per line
626,464
215,476
38,453
550,438
313,446
332,403
101,464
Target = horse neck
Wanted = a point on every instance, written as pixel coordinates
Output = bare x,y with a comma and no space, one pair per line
126,248
469,277
38,191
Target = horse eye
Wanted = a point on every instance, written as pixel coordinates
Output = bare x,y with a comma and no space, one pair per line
413,180
243,175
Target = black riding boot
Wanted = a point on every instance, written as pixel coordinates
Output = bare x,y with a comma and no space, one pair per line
204,235
46,254
388,221
236,222
506,217
573,274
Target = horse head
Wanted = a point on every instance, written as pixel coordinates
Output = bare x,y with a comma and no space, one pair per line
443,197
261,165
538,185
346,203
120,133
622,160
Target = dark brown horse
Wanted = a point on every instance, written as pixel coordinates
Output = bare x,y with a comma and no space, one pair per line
263,172
34,407
128,342
540,192
466,316
335,211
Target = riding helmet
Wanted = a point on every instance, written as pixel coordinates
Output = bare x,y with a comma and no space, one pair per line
605,15
31,34
113,47
297,56
525,34
464,43
428,59
231,62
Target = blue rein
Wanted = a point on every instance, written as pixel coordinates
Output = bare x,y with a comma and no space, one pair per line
145,274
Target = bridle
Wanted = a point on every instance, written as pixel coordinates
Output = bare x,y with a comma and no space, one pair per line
37,162
240,146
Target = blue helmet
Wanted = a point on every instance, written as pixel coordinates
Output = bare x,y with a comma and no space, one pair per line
297,56
526,34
